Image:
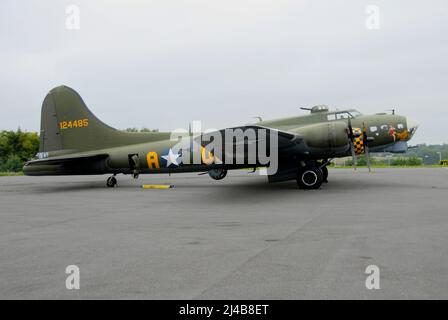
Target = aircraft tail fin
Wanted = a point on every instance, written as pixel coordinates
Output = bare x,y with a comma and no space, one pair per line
67,123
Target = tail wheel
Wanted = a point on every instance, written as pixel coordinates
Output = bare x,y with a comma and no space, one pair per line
217,174
111,182
310,178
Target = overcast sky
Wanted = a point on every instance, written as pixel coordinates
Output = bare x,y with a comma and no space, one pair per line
161,64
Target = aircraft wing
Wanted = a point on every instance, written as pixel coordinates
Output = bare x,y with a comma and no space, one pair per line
288,142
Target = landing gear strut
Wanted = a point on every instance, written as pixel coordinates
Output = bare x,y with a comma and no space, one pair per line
111,182
323,166
324,174
134,164
310,177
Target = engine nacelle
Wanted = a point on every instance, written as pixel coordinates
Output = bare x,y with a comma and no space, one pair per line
328,136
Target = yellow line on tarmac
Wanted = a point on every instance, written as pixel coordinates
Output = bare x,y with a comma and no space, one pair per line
157,186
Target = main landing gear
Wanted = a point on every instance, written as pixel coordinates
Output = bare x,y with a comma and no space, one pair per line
310,177
111,181
313,175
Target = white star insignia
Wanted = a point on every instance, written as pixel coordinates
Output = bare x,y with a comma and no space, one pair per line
171,158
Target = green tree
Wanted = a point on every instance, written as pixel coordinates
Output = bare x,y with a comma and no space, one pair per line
17,147
407,161
414,161
361,161
141,130
11,164
429,153
148,130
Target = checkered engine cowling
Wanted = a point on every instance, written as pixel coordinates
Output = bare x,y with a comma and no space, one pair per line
358,142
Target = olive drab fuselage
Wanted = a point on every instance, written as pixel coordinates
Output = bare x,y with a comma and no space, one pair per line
74,141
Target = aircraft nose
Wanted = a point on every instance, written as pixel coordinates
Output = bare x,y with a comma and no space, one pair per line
412,125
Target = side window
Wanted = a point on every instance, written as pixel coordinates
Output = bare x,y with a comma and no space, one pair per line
400,126
343,115
384,127
331,117
373,129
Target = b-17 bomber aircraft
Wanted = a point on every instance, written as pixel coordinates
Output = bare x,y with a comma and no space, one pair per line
73,141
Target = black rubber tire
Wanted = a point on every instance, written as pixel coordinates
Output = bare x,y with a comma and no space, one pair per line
217,174
309,178
324,174
111,182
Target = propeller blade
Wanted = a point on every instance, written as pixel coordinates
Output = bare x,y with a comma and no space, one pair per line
354,158
366,146
351,138
366,150
350,130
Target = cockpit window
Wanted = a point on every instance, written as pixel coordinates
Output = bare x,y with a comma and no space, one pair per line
343,115
355,113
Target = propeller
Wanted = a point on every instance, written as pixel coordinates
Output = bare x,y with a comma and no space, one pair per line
366,145
351,138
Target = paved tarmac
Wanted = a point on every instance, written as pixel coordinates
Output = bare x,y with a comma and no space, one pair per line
239,238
